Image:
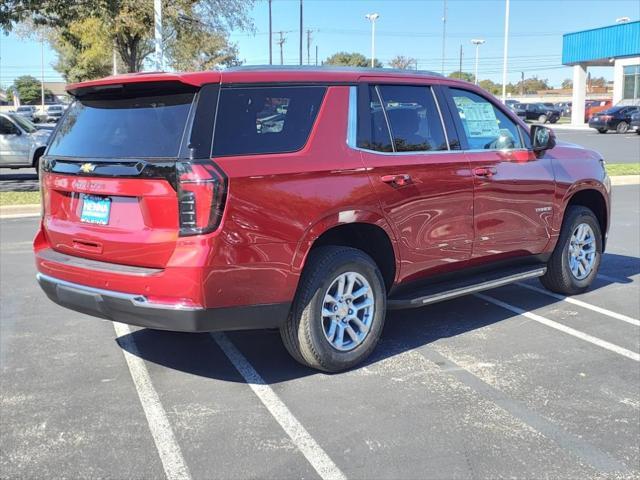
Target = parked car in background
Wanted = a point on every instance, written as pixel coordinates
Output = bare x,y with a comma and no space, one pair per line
54,112
537,112
29,112
175,213
616,118
564,108
21,143
594,106
511,103
635,121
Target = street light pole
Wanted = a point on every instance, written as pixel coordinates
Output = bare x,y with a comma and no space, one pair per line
372,17
444,33
505,52
477,42
157,23
42,73
270,37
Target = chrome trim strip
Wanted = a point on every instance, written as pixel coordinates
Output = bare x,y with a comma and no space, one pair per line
352,118
137,300
435,99
459,292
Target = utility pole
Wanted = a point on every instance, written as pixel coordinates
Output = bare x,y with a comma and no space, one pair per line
477,42
270,37
372,17
308,47
505,52
521,83
316,55
115,58
300,32
157,23
281,42
42,72
460,70
444,33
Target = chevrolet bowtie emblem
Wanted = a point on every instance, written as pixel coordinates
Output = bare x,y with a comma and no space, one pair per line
87,167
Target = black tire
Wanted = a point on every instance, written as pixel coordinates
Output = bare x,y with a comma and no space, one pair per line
554,119
303,334
559,277
542,119
622,127
36,161
602,130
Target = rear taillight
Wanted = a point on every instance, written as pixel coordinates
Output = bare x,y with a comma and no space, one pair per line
606,118
202,189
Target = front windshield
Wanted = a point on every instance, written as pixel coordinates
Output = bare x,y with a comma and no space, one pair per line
25,124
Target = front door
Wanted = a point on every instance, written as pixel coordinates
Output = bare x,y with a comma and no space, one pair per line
425,189
513,188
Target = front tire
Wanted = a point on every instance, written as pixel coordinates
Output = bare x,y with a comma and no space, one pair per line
576,259
622,127
338,312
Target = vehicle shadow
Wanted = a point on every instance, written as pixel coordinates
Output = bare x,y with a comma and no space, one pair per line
19,182
198,354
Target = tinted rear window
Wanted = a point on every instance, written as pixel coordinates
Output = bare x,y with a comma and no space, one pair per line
144,126
256,120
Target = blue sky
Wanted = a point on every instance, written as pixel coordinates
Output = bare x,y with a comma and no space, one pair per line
406,27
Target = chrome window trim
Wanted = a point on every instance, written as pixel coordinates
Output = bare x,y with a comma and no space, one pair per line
352,117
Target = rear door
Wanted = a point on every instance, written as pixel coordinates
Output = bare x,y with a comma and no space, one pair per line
513,188
14,143
425,189
110,174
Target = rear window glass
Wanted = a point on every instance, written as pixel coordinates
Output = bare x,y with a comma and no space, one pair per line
145,126
265,119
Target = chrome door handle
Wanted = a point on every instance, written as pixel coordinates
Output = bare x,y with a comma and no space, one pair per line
398,180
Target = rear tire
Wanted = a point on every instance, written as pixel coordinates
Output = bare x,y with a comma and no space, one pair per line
542,119
571,270
622,127
310,335
602,130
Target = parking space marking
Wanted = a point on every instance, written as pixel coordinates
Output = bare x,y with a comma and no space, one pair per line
301,438
580,303
169,451
611,279
563,328
571,443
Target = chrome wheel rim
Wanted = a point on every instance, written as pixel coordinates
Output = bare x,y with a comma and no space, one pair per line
347,311
582,251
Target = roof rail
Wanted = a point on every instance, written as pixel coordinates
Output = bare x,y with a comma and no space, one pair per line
334,68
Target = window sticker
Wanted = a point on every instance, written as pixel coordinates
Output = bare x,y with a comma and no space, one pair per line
479,118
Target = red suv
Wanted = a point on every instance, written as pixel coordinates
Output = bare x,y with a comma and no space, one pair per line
311,200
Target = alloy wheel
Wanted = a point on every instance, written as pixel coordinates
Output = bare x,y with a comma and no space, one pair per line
582,251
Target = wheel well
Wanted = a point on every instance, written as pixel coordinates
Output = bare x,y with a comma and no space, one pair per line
594,201
36,156
367,237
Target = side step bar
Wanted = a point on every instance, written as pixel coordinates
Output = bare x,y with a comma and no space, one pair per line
448,290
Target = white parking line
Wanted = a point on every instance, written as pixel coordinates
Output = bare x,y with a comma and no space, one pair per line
316,456
582,304
563,328
169,451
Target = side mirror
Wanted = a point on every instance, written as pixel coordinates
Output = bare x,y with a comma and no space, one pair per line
542,138
17,131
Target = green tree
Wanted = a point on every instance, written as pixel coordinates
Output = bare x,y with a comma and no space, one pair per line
403,63
491,87
531,85
84,50
462,76
29,89
598,82
351,59
567,83
130,22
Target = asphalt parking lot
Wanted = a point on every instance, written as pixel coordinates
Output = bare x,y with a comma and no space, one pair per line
513,383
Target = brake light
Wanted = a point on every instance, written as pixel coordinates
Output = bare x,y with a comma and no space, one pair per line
202,190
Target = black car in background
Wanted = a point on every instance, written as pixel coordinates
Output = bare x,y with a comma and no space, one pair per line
635,121
616,118
538,112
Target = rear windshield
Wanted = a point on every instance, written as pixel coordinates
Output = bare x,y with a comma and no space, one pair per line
256,120
143,126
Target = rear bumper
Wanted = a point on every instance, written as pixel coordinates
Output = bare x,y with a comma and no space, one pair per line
138,310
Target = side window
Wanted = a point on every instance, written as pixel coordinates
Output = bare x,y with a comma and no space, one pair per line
6,127
485,126
373,132
413,117
265,119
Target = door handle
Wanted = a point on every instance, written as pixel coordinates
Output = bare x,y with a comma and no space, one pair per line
398,180
485,171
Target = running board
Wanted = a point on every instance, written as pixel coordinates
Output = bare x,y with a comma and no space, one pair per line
440,292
